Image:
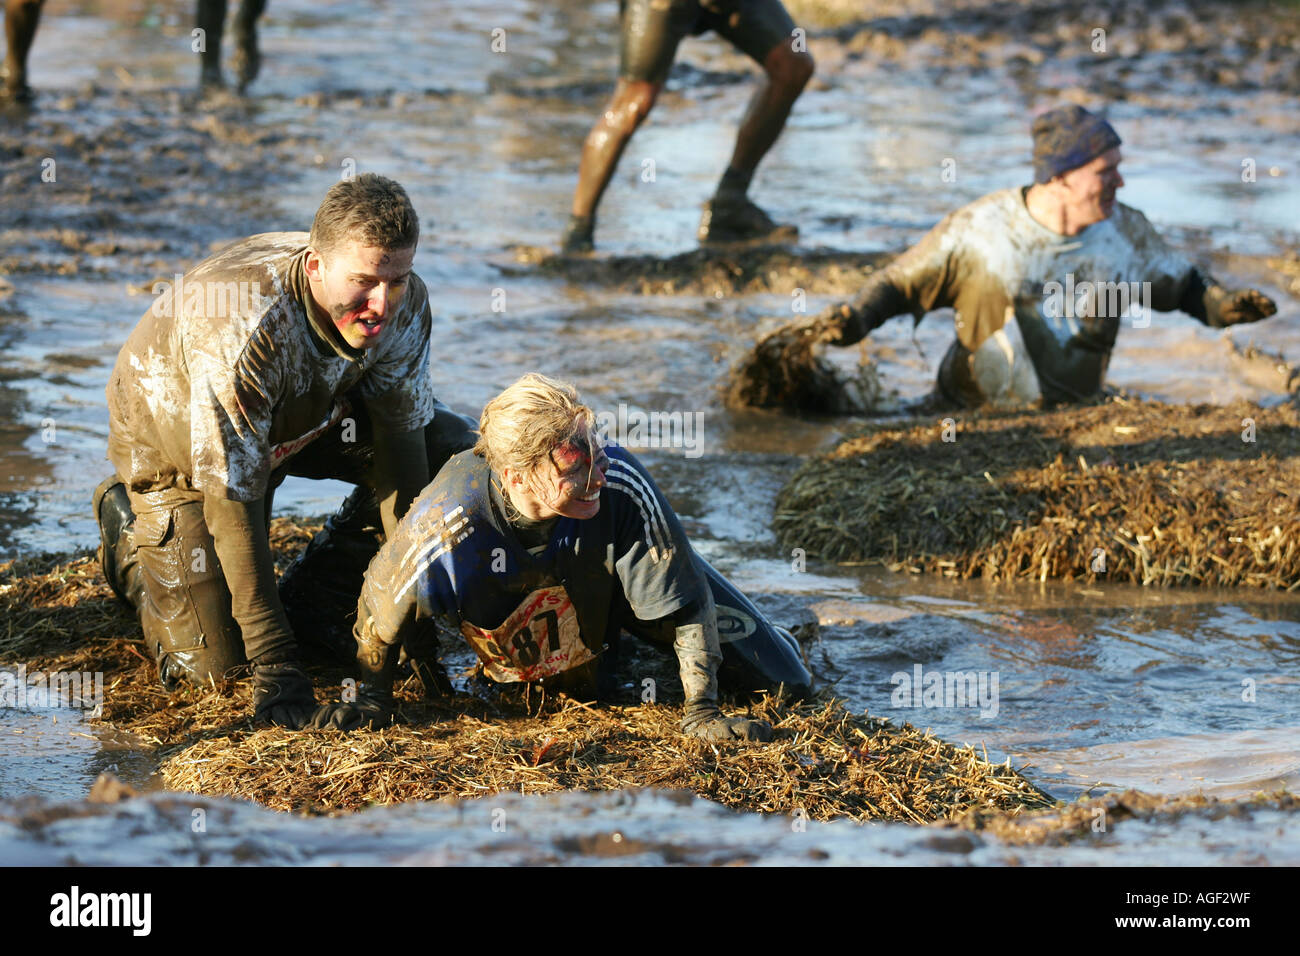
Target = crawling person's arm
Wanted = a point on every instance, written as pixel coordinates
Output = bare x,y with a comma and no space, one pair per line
785,368
282,692
1176,284
699,654
920,280
387,612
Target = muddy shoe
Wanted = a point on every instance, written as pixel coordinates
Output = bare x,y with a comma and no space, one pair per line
577,236
731,220
248,58
113,514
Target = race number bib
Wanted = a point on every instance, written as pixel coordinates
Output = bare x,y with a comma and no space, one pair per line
539,639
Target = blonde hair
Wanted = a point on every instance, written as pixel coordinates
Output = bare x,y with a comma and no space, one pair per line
522,426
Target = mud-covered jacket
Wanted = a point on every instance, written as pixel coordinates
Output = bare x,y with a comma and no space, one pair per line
227,376
993,263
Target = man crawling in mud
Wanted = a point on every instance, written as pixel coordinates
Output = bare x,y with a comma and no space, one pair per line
651,31
1040,278
542,543
283,354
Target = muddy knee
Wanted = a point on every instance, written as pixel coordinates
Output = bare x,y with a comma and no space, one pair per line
629,107
789,70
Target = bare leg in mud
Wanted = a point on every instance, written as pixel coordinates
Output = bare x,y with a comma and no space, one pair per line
211,19
625,111
21,19
730,214
651,32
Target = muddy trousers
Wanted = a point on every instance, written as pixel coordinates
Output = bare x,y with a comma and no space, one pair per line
160,557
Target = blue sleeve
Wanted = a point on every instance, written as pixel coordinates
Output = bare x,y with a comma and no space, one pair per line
652,556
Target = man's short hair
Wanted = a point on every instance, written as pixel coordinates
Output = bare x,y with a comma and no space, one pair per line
522,426
374,210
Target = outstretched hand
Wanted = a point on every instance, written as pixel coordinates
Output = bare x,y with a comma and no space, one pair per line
1244,305
785,368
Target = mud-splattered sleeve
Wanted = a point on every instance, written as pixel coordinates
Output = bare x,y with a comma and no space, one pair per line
408,577
1171,274
920,280
231,402
397,389
653,558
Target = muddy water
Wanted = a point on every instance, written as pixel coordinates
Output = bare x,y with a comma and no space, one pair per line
1105,687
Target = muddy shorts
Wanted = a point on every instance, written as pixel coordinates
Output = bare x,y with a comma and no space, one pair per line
652,29
169,571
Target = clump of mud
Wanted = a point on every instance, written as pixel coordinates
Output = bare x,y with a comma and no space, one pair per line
1077,822
1122,51
787,368
709,270
824,761
1126,490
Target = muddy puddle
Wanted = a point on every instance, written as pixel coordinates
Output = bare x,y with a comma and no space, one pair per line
1098,689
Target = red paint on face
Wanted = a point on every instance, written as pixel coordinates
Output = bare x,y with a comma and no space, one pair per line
572,488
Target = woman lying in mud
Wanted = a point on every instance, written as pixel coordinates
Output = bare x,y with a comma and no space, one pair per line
1061,257
543,543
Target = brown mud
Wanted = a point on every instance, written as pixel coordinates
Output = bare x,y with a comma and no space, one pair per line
1126,490
1091,820
710,270
60,616
1147,49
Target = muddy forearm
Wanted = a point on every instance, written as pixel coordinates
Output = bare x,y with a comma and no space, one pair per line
239,534
401,471
699,652
879,301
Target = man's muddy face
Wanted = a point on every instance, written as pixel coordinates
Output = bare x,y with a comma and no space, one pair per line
359,287
570,483
1090,188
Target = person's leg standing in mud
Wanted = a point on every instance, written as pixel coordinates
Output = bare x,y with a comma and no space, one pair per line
763,30
21,20
210,17
651,33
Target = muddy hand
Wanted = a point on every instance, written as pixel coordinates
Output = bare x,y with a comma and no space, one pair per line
282,695
704,720
838,326
372,711
1246,305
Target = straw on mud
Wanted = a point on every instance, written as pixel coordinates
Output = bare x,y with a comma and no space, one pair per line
787,369
1124,490
824,762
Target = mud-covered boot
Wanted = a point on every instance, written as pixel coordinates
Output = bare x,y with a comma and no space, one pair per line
114,517
319,591
247,61
578,235
737,219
